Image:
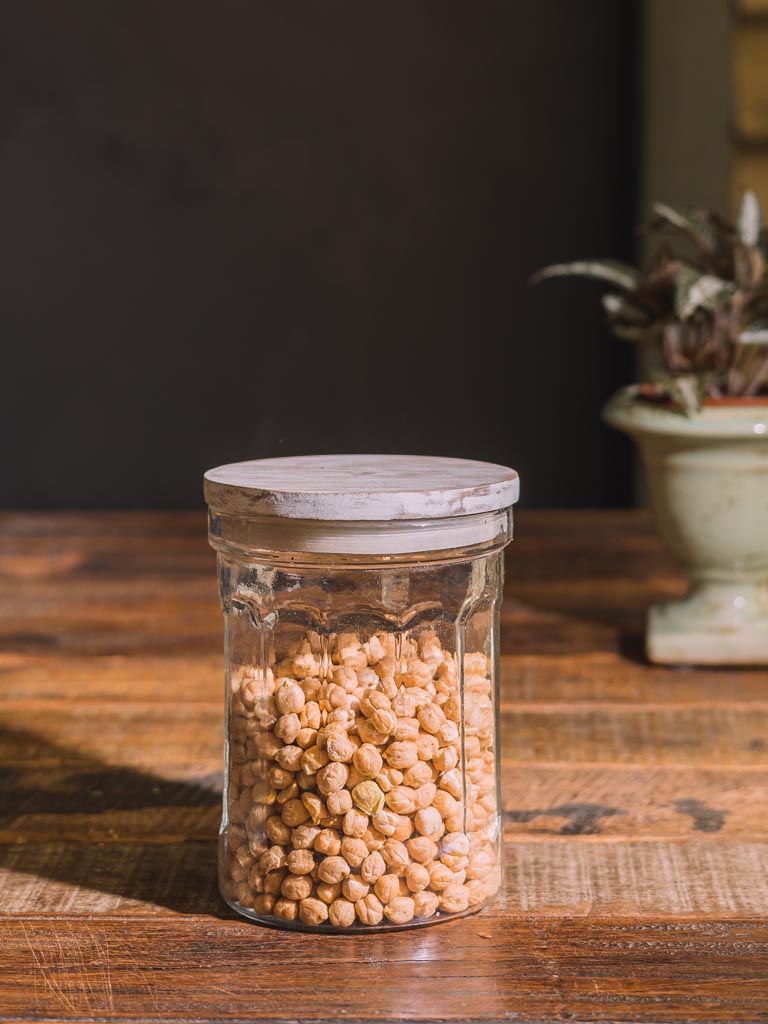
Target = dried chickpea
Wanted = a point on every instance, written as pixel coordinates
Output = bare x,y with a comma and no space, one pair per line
339,802
300,862
416,877
401,800
455,844
387,887
383,783
403,828
264,904
255,879
332,777
385,822
373,867
451,783
243,894
384,721
355,823
289,757
374,700
341,913
478,891
440,877
425,904
315,806
274,881
306,738
401,755
305,665
339,748
354,888
286,909
395,855
426,746
310,716
481,864
431,717
369,910
294,813
313,911
296,887
346,677
354,851
454,899
368,797
266,745
367,760
421,849
328,891
428,821
279,777
290,792
400,910
425,795
287,727
289,698
368,734
420,775
445,804
328,842
272,860
445,759
332,869
448,733
406,730
313,759
277,830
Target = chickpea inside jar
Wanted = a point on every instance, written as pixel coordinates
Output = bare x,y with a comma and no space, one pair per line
361,603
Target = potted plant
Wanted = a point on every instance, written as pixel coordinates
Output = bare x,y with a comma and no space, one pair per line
702,423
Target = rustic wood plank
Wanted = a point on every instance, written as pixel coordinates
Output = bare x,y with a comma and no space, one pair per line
584,677
93,802
482,969
546,875
155,734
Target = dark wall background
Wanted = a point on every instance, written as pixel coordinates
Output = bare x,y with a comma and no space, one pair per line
234,229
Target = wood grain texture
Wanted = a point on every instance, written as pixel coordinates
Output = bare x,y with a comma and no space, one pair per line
635,798
750,82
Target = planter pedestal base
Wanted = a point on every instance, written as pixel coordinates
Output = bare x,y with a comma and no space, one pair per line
716,624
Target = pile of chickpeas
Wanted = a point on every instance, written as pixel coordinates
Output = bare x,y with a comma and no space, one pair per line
349,801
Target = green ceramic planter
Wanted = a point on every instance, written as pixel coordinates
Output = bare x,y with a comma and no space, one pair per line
708,484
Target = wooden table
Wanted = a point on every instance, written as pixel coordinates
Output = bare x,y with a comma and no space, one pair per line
636,801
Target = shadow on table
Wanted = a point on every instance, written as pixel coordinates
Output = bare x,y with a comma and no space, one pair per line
73,819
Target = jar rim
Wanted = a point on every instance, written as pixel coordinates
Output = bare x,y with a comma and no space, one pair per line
270,537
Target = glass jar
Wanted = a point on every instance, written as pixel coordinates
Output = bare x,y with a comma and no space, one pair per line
361,602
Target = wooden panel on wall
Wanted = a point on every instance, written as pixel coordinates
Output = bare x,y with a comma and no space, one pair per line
750,7
750,82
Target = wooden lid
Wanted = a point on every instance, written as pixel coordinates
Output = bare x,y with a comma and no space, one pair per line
361,487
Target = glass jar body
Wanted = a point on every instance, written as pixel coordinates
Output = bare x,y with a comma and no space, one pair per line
362,766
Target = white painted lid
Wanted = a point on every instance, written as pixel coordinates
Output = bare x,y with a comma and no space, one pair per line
352,488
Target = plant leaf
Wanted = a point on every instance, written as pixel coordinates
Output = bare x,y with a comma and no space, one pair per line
623,309
690,222
750,219
755,334
612,271
699,291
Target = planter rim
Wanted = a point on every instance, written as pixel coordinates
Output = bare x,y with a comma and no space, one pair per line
746,421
